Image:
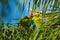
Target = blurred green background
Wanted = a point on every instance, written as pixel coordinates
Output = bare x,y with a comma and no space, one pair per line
16,23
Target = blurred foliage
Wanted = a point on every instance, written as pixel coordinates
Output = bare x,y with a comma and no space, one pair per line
49,30
36,28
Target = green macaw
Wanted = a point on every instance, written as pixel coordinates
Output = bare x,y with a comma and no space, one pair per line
27,22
